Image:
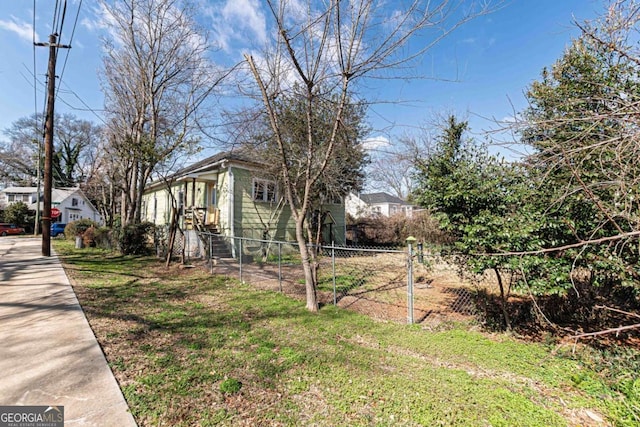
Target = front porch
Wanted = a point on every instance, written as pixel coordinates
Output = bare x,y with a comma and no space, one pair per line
198,203
202,219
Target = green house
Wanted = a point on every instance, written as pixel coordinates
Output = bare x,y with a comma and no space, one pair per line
231,195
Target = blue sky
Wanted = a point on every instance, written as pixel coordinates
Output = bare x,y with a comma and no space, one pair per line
480,71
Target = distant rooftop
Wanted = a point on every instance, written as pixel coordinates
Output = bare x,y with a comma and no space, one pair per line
375,198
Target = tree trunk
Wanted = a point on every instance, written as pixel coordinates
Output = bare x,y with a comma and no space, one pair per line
308,264
503,300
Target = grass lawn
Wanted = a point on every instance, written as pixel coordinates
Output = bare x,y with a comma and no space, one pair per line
192,349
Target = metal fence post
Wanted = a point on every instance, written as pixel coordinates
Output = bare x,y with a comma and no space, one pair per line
333,271
210,253
410,241
240,258
280,266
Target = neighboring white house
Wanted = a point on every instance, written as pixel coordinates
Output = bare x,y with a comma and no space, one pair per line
71,202
373,204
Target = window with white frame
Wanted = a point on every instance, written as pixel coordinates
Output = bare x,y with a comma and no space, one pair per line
74,202
264,190
14,197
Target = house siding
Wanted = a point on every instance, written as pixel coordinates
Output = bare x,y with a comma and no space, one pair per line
339,227
252,217
239,214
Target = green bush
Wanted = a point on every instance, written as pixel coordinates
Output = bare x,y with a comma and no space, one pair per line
103,238
135,239
18,213
88,237
78,228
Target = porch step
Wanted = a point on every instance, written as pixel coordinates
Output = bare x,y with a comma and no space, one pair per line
219,246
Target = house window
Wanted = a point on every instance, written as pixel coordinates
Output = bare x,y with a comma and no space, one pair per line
180,199
19,198
155,208
264,190
212,200
74,202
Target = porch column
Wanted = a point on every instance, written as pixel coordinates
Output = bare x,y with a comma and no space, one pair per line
193,193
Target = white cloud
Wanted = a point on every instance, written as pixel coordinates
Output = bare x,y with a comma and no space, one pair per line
375,142
101,20
22,29
89,24
241,19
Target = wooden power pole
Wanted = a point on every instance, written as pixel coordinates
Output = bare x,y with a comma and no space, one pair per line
48,143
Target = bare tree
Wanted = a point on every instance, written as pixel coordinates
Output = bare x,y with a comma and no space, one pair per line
75,141
156,75
76,146
19,154
326,47
100,185
393,166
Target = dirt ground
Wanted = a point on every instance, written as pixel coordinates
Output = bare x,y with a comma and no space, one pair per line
381,290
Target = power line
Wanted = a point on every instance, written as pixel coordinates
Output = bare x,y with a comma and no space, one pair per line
70,91
88,108
73,31
62,16
35,90
55,15
36,227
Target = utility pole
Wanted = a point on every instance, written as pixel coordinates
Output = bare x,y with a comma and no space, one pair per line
48,143
36,225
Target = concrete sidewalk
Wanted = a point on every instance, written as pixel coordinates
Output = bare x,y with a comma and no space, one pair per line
48,353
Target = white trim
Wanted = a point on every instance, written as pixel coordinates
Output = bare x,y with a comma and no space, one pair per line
232,226
268,190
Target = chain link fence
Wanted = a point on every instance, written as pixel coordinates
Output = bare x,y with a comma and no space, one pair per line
406,284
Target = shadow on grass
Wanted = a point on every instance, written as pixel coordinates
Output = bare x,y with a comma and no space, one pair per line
120,264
